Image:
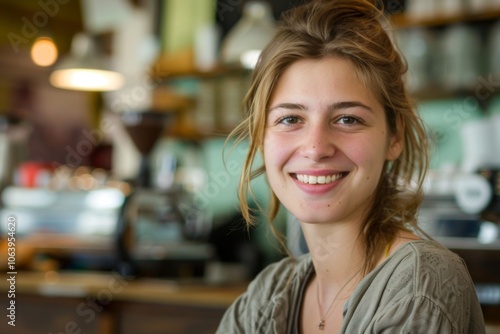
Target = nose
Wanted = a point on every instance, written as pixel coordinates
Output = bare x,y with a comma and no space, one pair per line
318,143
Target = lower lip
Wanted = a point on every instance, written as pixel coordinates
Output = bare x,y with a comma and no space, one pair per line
317,189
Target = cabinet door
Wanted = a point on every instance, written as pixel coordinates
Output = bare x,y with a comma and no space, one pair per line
168,319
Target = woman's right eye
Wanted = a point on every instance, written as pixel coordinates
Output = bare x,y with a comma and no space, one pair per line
288,120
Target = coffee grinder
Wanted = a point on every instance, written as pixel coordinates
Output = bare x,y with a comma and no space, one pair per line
152,239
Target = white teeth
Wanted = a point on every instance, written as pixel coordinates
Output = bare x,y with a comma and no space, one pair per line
312,179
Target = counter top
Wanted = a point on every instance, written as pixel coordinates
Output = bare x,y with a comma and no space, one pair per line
113,286
104,287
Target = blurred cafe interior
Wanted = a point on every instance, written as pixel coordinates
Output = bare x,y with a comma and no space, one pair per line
117,184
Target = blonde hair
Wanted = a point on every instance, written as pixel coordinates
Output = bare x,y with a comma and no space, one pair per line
352,30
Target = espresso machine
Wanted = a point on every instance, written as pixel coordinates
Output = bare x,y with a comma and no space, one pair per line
155,231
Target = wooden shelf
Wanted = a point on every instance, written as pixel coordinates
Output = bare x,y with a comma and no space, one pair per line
436,92
177,66
406,21
198,135
213,73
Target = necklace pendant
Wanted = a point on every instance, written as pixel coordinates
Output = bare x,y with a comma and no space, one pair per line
321,325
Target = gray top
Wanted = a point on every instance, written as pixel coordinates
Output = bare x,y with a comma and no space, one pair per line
421,288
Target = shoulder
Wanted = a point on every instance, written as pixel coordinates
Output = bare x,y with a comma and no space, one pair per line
280,276
421,288
431,279
430,250
442,277
429,269
264,306
426,255
437,269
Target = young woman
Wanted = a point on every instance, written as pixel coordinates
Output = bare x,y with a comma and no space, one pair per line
345,152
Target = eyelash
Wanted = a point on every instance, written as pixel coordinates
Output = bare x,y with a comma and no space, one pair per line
352,117
283,119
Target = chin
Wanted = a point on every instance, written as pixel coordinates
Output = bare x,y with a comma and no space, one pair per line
313,219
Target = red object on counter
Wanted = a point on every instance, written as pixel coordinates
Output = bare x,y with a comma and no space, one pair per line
34,174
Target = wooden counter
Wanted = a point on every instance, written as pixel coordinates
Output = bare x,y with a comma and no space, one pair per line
100,303
97,303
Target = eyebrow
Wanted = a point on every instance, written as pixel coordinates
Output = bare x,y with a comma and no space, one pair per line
332,107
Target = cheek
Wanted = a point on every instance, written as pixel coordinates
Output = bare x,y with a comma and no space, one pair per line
368,154
268,151
275,151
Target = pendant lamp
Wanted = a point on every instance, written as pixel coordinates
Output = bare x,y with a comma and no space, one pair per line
85,69
248,37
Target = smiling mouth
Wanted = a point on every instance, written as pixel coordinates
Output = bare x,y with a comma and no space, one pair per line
322,179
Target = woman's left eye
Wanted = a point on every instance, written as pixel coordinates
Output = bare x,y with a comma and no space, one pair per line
348,120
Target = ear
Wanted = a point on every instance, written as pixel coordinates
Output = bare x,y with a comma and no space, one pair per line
396,142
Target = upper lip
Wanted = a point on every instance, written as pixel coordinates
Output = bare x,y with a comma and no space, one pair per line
319,172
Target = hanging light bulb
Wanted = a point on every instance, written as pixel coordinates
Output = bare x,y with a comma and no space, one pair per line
84,69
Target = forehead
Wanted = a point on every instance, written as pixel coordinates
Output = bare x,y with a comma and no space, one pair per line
331,78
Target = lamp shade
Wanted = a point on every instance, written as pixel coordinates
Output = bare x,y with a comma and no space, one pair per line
250,35
85,69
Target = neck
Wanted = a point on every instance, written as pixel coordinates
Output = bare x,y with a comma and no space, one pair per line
337,254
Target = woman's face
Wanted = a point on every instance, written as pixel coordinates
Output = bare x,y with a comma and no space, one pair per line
326,141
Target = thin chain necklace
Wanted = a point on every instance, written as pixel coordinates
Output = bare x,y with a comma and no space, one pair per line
321,325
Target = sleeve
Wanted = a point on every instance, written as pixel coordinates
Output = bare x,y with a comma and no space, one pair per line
263,304
233,320
253,311
422,315
417,315
248,315
441,298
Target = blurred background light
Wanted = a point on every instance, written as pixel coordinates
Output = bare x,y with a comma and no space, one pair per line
44,52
